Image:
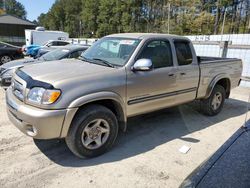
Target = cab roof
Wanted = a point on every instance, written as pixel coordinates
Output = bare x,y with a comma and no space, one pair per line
146,36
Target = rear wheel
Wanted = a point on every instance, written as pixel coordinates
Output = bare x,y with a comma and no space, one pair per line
93,131
214,104
5,59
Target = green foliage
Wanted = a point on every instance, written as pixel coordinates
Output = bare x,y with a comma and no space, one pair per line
13,7
88,18
2,11
107,21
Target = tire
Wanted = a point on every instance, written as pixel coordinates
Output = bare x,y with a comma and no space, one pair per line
208,106
82,122
5,59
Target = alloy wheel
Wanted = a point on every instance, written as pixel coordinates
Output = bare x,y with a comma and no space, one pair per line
217,100
95,134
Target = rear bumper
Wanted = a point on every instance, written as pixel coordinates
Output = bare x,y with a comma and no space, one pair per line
34,122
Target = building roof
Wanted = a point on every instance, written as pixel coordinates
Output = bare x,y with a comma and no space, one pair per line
9,19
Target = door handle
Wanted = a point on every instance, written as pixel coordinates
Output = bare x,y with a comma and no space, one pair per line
171,75
183,73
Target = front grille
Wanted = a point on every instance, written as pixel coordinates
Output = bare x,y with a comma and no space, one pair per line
18,90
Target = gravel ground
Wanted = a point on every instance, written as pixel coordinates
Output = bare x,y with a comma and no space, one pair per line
145,156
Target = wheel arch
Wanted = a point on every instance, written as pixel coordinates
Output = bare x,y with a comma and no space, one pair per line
110,100
222,80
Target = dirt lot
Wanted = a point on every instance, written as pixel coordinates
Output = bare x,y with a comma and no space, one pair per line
145,156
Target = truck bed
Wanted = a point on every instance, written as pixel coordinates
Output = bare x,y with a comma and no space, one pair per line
206,59
210,67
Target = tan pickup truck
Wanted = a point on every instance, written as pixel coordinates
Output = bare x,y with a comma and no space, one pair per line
87,100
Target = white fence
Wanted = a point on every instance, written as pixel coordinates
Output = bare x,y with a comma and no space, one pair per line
84,41
238,47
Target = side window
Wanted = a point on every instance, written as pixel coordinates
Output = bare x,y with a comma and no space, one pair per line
75,54
183,53
159,51
61,43
54,43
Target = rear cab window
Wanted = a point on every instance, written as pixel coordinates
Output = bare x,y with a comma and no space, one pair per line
183,52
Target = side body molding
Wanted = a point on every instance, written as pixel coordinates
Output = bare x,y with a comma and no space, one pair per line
94,97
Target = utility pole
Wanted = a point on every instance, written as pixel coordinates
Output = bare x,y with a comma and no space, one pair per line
223,24
169,7
217,17
80,28
4,5
249,26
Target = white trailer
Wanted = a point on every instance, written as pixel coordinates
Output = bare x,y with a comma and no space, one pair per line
41,36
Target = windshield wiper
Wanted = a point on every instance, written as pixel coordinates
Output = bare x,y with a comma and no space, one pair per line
96,59
104,62
85,59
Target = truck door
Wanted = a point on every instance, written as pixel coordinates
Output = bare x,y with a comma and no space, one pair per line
153,89
187,77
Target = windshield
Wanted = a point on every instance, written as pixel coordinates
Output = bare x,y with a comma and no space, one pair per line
55,55
115,51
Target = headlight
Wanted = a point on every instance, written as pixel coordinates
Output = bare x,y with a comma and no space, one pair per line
40,95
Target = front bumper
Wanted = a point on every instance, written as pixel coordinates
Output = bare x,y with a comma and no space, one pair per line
34,122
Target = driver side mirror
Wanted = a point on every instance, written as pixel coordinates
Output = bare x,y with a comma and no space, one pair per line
143,65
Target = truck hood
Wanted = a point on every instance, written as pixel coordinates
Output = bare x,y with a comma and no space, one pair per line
60,70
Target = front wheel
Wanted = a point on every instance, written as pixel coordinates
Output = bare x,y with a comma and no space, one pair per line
93,131
214,104
5,59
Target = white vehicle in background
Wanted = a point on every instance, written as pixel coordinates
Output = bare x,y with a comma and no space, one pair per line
40,36
32,50
35,39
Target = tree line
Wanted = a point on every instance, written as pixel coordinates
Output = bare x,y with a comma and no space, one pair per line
12,7
88,18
